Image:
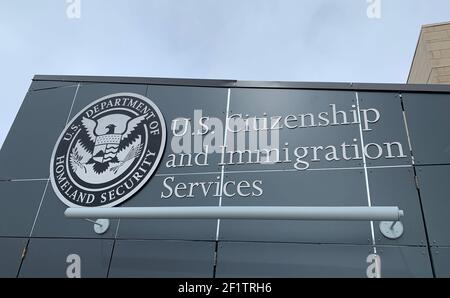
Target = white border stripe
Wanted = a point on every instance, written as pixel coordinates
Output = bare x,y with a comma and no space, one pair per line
73,102
39,209
366,175
242,171
408,136
222,174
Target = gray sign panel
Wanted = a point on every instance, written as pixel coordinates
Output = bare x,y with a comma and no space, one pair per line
170,186
53,257
88,93
441,261
434,190
40,120
11,255
428,124
343,146
162,259
388,132
22,200
396,187
307,188
245,259
51,221
42,85
312,128
189,104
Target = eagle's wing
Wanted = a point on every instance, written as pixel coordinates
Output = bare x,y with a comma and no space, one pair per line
89,142
79,157
130,135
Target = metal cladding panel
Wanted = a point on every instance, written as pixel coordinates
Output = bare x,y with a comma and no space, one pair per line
169,229
178,102
299,118
162,259
310,144
385,127
429,123
434,189
273,260
10,257
51,222
42,85
337,188
441,259
396,186
87,93
51,258
22,199
40,120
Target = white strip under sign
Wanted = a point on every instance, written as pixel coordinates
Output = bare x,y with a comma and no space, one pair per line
247,212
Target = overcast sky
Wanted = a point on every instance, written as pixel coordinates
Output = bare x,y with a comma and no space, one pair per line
298,40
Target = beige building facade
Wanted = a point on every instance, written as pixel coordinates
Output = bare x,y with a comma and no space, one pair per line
431,63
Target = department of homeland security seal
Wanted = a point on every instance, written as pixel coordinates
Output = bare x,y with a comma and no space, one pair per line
108,151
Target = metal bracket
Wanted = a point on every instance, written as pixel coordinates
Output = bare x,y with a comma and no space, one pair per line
391,229
100,225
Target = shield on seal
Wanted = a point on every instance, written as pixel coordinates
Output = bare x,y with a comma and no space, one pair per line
106,146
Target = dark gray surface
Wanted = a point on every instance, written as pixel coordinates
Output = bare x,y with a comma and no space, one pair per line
396,187
47,257
21,202
256,102
10,256
150,196
51,221
88,93
160,259
249,84
434,191
43,116
390,128
429,126
40,85
310,188
441,261
180,102
27,150
242,260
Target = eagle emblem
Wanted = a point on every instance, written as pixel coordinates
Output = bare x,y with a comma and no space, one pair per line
108,151
101,146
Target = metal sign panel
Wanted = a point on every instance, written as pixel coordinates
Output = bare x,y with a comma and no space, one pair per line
231,143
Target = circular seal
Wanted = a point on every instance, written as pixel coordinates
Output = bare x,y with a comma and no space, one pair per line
108,151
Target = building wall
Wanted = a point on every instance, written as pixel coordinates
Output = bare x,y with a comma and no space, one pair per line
36,239
431,64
